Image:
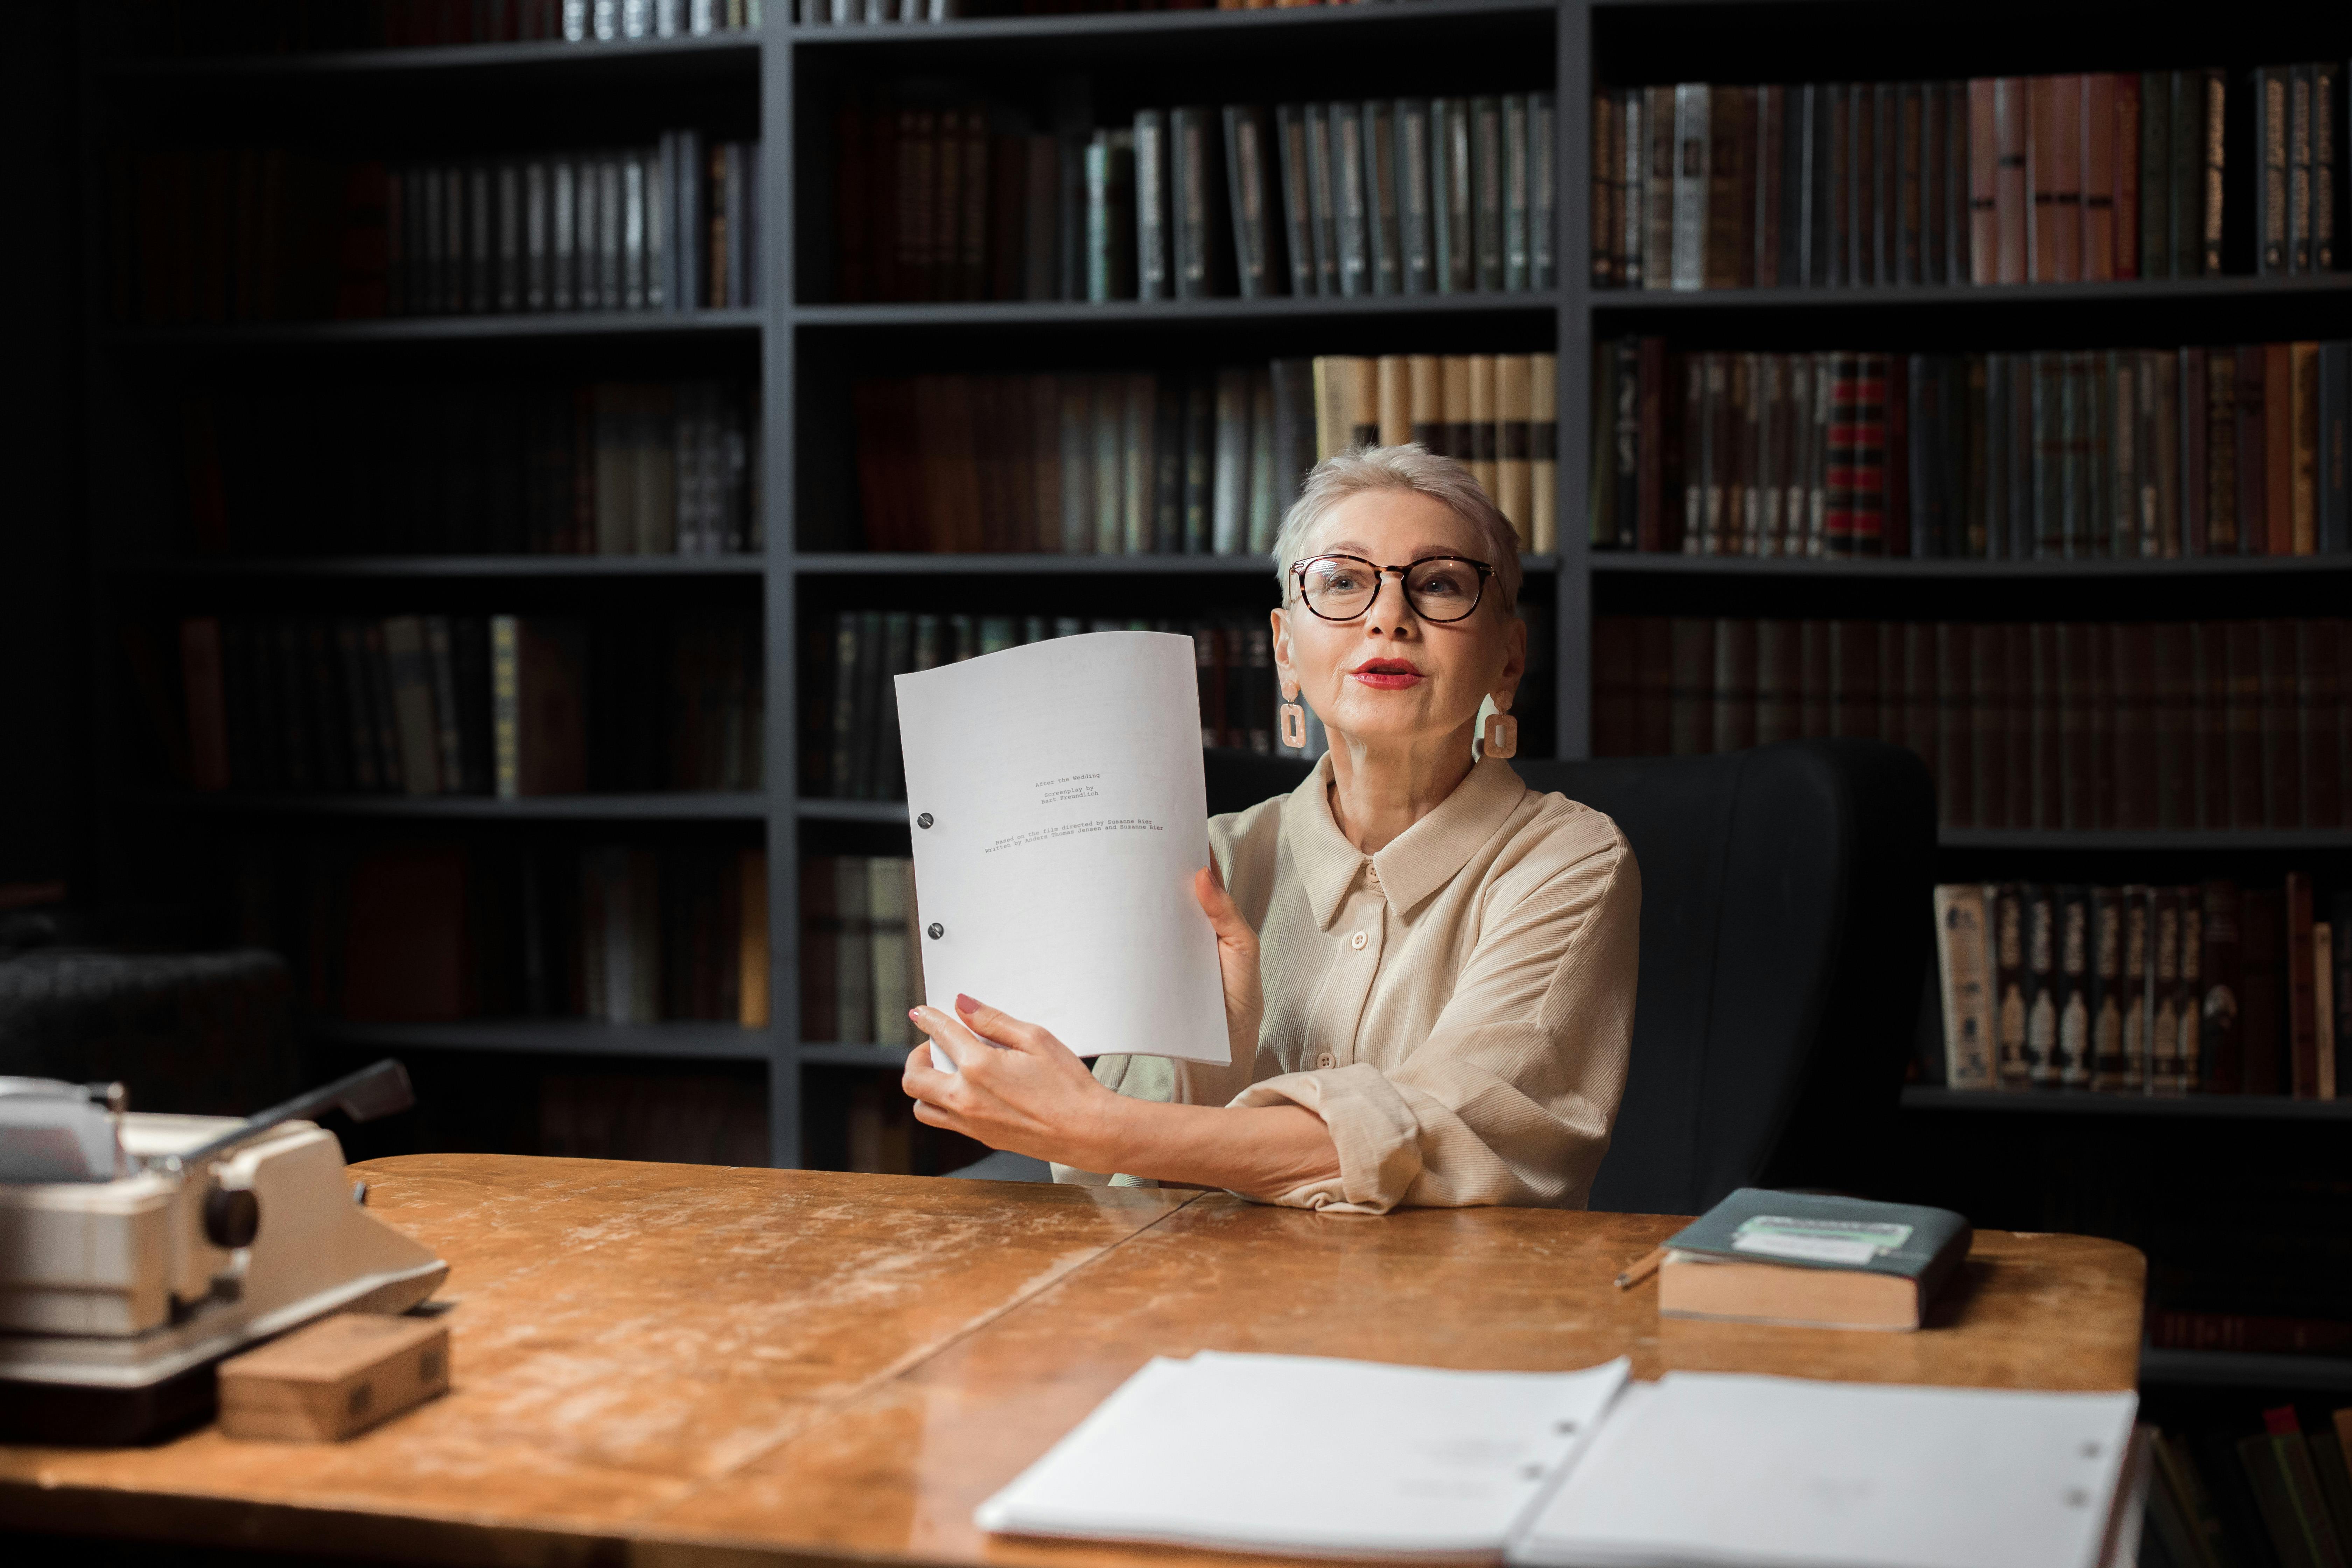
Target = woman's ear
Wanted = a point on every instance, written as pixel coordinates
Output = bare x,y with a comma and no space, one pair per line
1282,671
1514,654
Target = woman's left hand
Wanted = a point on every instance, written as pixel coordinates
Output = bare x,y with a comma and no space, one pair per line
1016,1087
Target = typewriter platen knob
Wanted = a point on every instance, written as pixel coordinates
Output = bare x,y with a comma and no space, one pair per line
231,1217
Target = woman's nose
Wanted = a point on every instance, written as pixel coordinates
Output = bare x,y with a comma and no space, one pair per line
1390,611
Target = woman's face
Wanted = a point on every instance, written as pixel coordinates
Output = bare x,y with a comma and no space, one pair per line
1387,676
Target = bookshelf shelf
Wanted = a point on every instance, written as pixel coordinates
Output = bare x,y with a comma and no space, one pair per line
1016,313
889,813
682,806
892,1058
1636,564
560,1037
580,325
2243,1369
1115,25
2215,841
737,51
409,566
2082,1102
855,565
1966,296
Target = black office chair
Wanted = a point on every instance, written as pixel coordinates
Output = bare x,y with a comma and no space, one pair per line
1785,930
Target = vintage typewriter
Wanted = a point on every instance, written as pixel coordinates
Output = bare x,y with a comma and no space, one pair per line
138,1250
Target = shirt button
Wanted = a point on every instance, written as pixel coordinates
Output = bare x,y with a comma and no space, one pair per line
1356,942
1325,1061
1373,872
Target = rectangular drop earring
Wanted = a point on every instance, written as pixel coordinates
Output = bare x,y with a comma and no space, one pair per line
1293,722
1502,739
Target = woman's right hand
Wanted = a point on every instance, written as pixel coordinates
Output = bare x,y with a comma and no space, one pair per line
1236,962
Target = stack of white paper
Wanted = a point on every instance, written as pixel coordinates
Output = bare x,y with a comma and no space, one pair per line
1304,1454
1726,1471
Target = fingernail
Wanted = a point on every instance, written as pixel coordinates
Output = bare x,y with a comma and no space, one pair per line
916,1013
965,1003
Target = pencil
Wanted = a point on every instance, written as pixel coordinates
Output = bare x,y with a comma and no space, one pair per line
1641,1271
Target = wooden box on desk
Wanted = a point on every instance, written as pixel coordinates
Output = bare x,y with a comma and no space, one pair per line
341,1375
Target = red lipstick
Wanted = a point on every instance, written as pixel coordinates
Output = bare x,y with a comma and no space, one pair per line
1387,674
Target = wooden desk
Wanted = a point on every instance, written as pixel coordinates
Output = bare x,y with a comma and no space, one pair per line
675,1365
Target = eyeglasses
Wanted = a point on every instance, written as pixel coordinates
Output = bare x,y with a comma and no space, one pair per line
1439,587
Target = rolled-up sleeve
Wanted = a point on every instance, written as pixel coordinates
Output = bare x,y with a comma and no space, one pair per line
1510,1097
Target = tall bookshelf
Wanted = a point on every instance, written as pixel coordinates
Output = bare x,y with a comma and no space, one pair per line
784,80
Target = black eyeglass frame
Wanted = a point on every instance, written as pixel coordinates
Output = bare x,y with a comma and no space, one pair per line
1485,573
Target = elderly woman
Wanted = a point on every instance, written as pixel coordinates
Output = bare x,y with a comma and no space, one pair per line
1428,968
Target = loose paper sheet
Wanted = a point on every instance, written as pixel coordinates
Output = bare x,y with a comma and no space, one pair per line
1727,1470
1067,815
1308,1455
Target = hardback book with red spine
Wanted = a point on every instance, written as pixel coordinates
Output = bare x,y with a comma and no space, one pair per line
2172,707
2278,448
2098,172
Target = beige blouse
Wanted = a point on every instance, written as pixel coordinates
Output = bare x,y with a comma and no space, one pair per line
1456,1008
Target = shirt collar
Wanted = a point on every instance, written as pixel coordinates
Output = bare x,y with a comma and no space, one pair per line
1422,859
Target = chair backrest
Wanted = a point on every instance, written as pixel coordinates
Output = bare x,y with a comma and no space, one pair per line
1785,933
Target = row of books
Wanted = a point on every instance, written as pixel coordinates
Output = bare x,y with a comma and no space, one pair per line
1443,195
439,932
665,935
481,705
2072,725
1182,463
674,227
2059,455
852,12
861,949
602,469
318,26
2212,988
2218,1498
849,715
254,234
671,1115
2046,179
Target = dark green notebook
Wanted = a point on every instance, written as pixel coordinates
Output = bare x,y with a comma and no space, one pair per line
1805,1230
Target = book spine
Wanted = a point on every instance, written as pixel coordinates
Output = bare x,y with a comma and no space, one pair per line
1350,213
2099,165
1454,168
2214,126
2272,137
1487,170
2327,95
1380,142
2301,990
1630,163
1416,237
1298,199
2012,190
1729,260
1963,969
1192,206
1691,184
1661,158
1151,224
1608,266
1516,193
1543,222
1247,133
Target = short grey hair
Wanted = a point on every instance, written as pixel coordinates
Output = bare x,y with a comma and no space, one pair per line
1412,467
